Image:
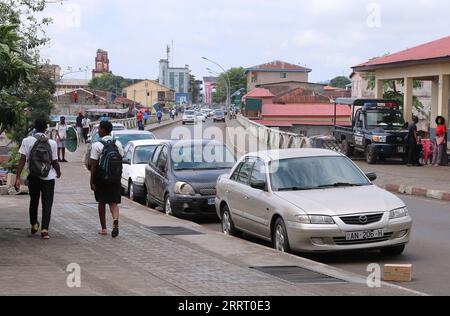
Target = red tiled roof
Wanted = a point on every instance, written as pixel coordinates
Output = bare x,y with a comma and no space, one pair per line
305,110
259,93
436,49
279,65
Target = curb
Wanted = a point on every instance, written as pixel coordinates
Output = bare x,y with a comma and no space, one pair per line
416,191
151,129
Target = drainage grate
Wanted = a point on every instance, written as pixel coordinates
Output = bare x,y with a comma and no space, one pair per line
173,231
298,275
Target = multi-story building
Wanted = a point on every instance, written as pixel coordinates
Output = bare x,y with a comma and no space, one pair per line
149,92
275,72
101,64
175,78
209,85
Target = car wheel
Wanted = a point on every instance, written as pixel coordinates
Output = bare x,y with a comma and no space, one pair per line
393,251
280,238
227,223
168,206
131,191
371,155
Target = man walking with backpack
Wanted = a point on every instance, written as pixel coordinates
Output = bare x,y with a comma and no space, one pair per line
41,154
106,173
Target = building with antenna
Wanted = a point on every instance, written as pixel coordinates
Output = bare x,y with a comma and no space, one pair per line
175,78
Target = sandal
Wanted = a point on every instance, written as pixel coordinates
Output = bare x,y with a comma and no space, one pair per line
115,231
35,229
103,232
45,235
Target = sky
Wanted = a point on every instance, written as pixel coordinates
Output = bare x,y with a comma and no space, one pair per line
328,36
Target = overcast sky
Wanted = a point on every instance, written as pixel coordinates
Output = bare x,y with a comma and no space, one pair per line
328,36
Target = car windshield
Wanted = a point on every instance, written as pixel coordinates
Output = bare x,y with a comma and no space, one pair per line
392,119
189,113
315,173
142,154
202,157
218,113
124,139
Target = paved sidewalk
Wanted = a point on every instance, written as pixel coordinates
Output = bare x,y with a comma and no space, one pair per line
140,262
427,181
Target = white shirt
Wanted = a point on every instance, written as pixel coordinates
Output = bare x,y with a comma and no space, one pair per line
27,146
97,148
62,130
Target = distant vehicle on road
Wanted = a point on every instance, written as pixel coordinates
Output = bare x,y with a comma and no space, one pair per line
311,200
378,130
182,176
124,137
189,117
137,157
201,117
219,116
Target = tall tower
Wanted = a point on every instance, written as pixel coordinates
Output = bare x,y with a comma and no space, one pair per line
101,64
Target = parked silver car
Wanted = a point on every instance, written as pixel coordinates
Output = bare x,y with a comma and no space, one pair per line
311,200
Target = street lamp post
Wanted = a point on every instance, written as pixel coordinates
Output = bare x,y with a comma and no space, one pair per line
228,78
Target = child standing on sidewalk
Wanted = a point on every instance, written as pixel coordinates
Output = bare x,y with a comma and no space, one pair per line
41,154
106,173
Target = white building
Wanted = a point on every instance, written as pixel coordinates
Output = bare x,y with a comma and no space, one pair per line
173,77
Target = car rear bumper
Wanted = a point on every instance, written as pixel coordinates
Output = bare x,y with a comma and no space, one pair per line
331,238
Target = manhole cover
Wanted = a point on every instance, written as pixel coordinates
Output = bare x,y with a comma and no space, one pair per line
298,275
173,231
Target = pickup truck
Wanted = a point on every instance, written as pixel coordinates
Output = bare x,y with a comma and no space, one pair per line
378,130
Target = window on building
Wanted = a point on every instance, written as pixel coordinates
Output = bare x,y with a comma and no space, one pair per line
254,77
172,80
283,75
181,84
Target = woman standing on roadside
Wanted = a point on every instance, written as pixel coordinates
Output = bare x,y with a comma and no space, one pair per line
440,157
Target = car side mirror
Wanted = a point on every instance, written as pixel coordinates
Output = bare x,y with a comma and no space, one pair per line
259,185
372,176
126,161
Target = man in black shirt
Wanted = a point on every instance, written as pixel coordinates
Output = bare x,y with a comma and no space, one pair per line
413,144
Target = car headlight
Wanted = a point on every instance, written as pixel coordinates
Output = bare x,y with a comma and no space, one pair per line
183,188
140,180
399,213
379,139
315,219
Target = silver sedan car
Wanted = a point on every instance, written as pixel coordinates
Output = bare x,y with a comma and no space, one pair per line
311,200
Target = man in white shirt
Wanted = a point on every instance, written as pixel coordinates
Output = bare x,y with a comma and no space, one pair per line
61,138
38,186
86,128
111,193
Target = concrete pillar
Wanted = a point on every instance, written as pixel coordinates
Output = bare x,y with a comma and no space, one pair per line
408,102
444,95
379,89
434,103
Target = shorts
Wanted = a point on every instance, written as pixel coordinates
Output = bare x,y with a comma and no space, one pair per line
61,143
108,193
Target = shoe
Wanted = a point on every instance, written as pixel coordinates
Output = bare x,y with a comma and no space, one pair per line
65,161
45,235
115,231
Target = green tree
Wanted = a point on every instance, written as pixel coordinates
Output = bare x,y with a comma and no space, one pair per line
238,81
340,82
111,83
194,90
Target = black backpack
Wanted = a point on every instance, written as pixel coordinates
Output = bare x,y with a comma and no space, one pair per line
40,160
110,165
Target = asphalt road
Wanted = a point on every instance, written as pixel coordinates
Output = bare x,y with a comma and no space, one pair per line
429,250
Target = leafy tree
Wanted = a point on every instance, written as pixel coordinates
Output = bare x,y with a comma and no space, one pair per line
238,81
111,83
340,82
194,90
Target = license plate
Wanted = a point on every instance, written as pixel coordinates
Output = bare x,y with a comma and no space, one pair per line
370,234
211,201
401,150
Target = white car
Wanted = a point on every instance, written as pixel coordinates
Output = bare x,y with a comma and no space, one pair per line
201,117
311,200
137,157
189,117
